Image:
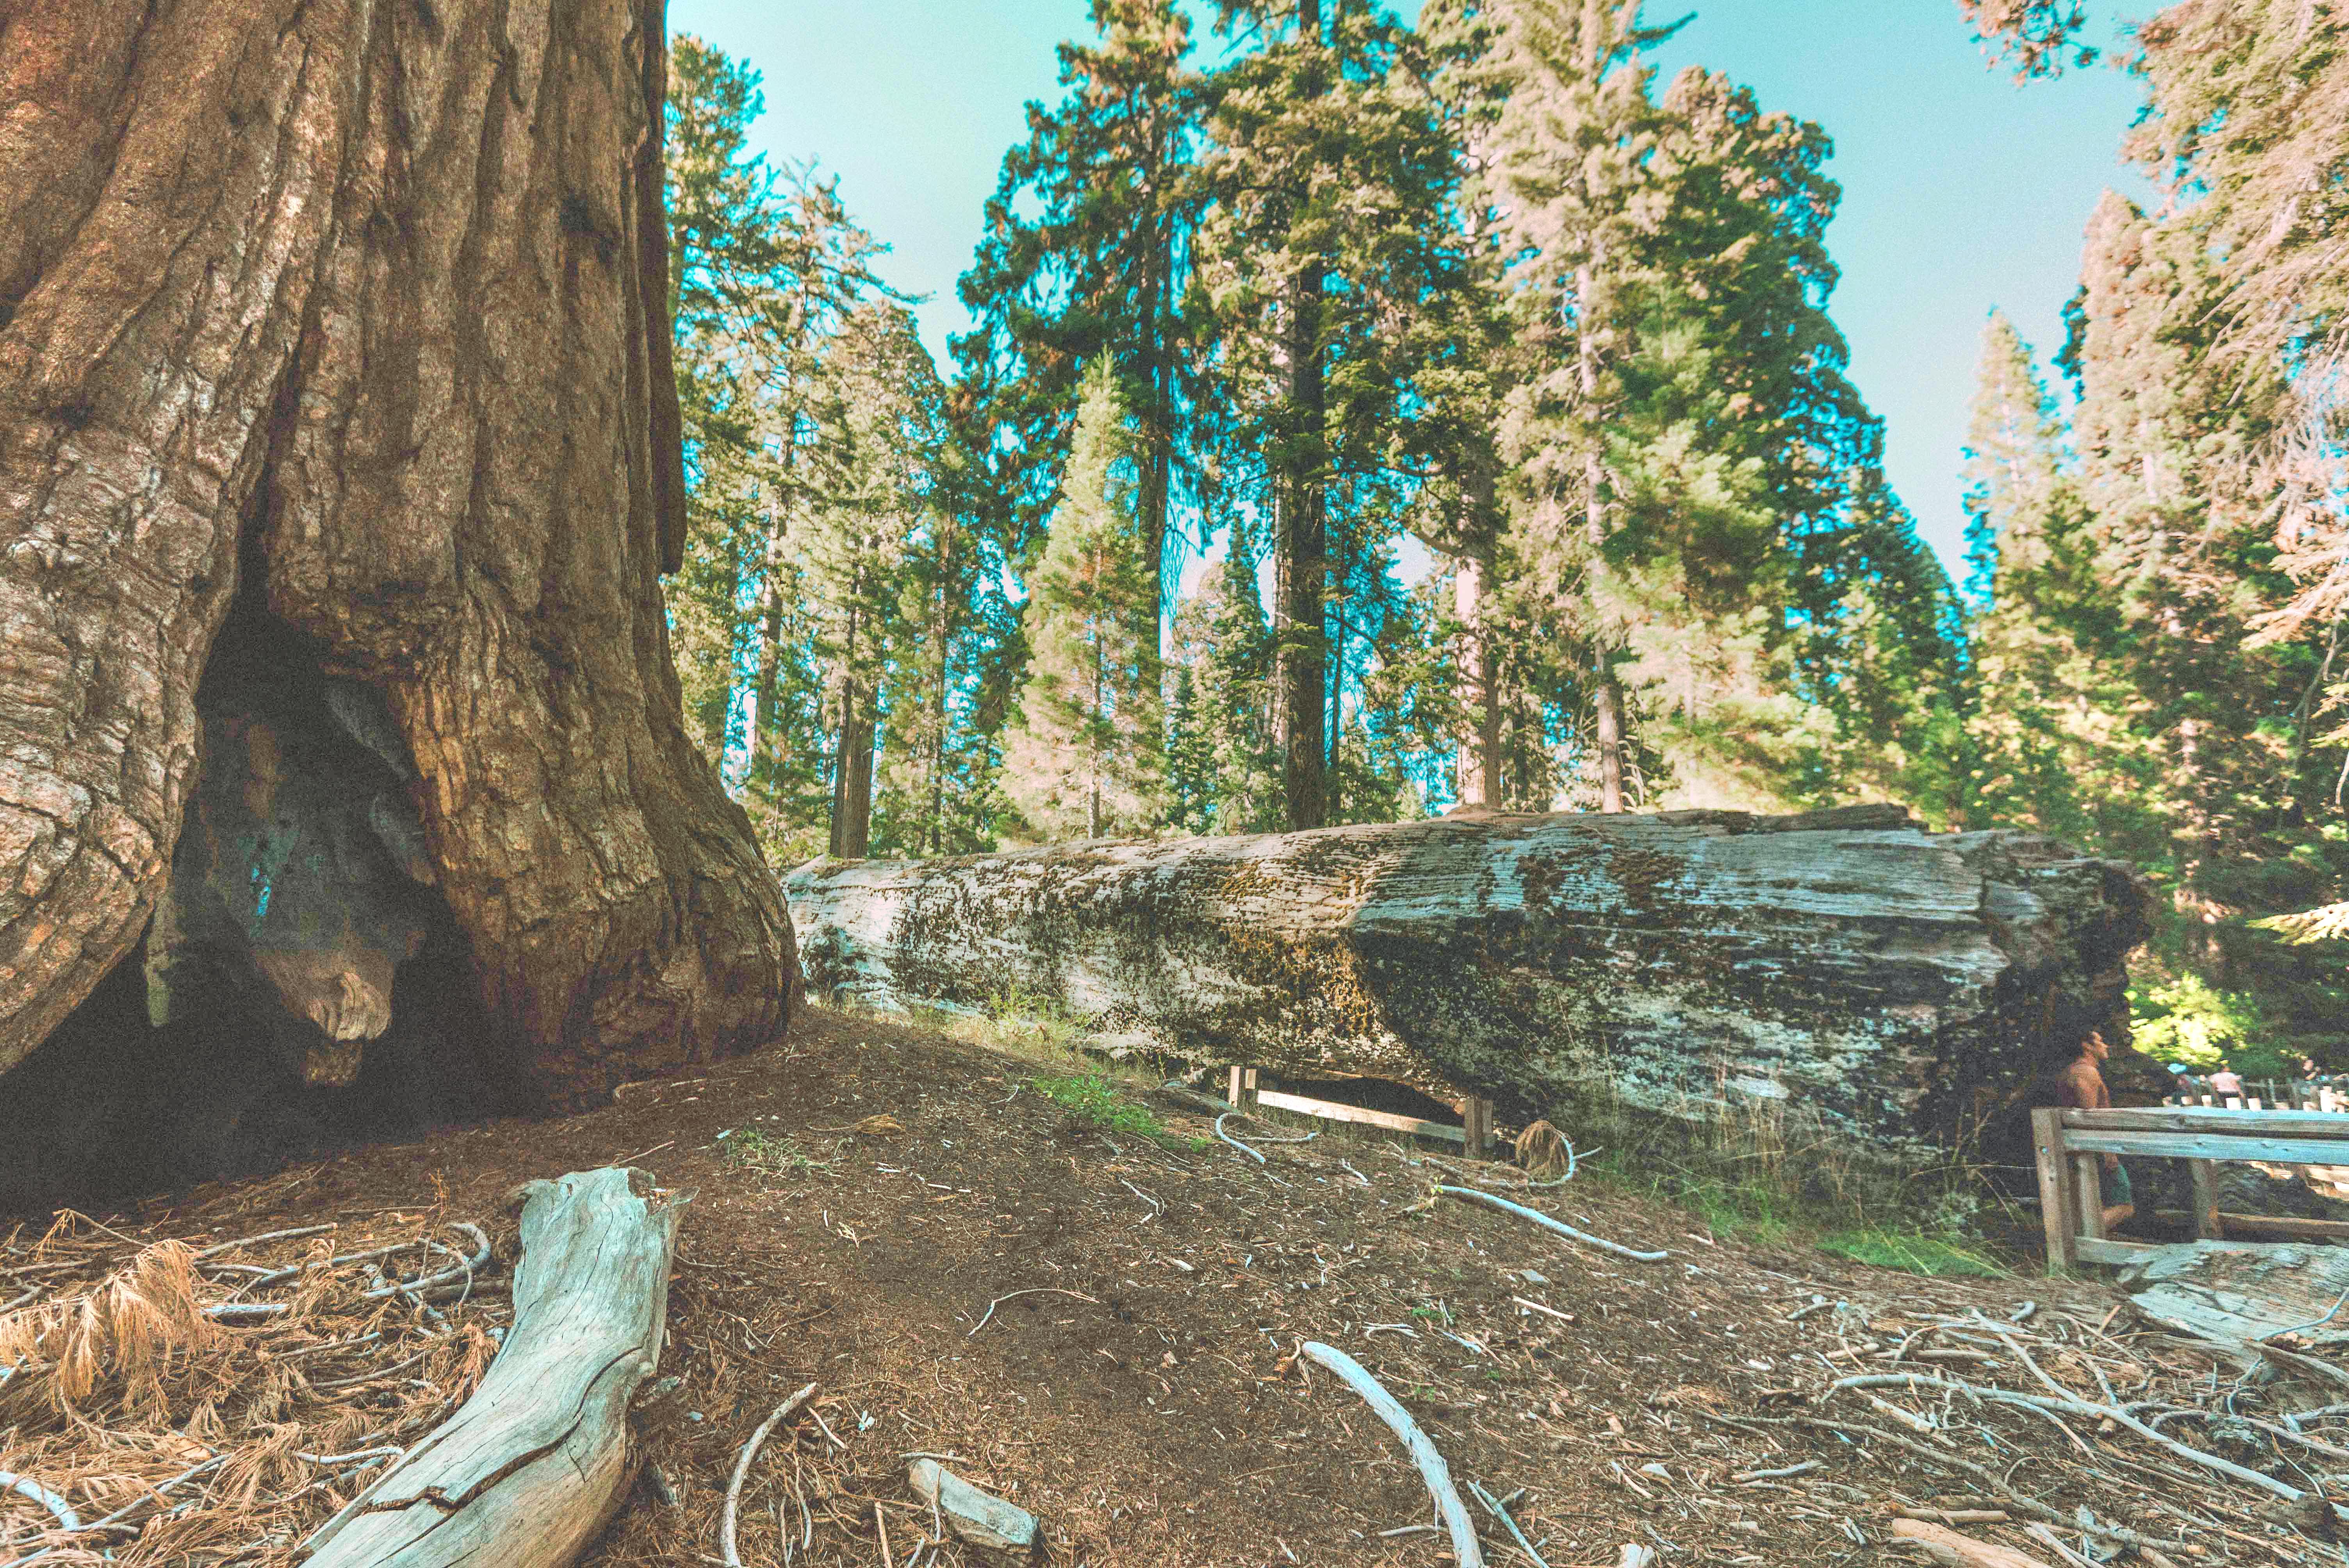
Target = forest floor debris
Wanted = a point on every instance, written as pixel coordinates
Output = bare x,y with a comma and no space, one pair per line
1139,1388
192,1391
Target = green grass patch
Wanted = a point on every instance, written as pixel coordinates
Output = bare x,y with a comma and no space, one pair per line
1093,1099
780,1155
1910,1251
1749,1211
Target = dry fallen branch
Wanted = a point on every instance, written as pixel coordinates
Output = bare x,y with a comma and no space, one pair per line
1952,1550
2076,1407
1466,1552
1563,1229
1234,1141
526,1472
1032,1290
1997,1487
726,1542
25,1486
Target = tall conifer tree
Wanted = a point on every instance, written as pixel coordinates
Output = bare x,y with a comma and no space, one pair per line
1085,754
1327,258
1085,259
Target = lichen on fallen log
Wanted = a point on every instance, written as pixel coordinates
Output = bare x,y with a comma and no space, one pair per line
1891,981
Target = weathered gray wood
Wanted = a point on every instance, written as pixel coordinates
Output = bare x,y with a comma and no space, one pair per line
2212,1146
2103,1250
2227,1223
1330,1111
2208,1222
527,1472
1476,1126
2235,1292
2088,1193
1844,964
2057,1202
980,1518
2196,1118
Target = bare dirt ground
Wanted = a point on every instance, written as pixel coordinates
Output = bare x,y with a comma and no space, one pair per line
1136,1384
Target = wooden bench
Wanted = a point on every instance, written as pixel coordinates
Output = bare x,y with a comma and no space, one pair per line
2069,1147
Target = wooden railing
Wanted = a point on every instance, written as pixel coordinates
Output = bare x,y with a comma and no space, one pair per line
1475,1134
2070,1147
2273,1094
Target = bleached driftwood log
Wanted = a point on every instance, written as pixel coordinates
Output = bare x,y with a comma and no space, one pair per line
527,1472
1879,974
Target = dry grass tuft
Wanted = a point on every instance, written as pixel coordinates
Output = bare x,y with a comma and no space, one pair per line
114,1385
1541,1149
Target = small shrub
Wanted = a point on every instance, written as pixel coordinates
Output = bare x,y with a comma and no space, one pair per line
1093,1099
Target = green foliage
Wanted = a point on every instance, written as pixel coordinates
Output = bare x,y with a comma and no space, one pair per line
2185,1020
1093,1100
1912,1251
778,1155
1086,752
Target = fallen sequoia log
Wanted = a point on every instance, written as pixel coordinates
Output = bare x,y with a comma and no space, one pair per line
1896,982
339,447
529,1471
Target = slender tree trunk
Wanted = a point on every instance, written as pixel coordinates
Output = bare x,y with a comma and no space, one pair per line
941,653
766,691
1092,747
1479,782
1300,668
1607,698
1607,705
360,312
852,764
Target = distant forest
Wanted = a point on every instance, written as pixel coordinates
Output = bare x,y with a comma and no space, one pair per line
1487,283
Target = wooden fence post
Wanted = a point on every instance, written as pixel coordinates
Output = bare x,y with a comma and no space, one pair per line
2058,1206
1476,1126
2205,1174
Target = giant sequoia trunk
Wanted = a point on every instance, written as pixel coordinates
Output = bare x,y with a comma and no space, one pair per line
1877,974
350,314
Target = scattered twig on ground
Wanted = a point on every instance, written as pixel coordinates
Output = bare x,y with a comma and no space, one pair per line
1466,1552
1234,1141
1561,1227
1032,1290
726,1545
1494,1507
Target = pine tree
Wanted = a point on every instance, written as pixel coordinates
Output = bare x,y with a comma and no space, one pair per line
1330,270
1097,271
1692,482
1222,649
2049,732
766,265
1085,753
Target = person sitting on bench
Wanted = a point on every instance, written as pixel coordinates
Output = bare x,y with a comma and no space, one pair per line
2080,1087
2226,1083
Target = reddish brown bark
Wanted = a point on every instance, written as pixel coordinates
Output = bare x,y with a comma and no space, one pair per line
357,308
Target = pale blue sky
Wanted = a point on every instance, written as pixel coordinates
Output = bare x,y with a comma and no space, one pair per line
1961,190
